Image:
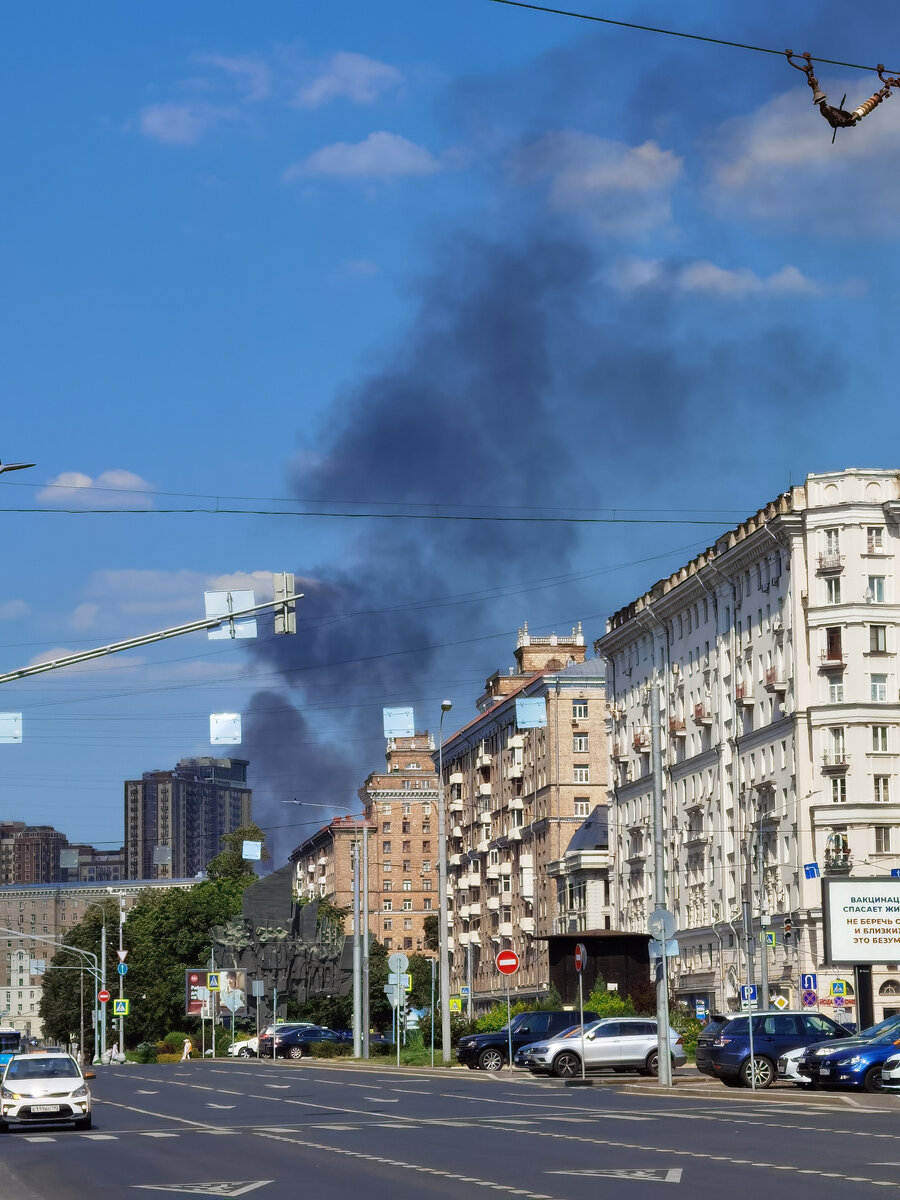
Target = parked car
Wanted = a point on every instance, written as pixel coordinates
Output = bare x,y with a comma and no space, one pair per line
890,1073
295,1043
522,1058
789,1067
245,1049
723,1047
856,1061
45,1089
490,1051
611,1044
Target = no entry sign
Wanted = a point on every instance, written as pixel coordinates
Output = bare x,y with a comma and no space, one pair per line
580,957
507,962
103,996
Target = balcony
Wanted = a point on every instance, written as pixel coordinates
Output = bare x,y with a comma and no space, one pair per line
484,789
456,831
455,861
484,845
829,563
484,818
526,924
516,804
775,681
516,742
493,903
463,939
455,778
832,660
641,741
743,693
506,868
702,714
475,910
456,806
505,929
493,871
835,763
514,771
677,727
514,833
463,912
619,749
838,862
482,762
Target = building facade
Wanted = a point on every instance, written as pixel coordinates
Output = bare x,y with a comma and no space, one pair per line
175,820
515,798
775,658
33,922
399,822
30,853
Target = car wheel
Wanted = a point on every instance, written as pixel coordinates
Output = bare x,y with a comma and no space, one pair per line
651,1063
872,1081
566,1065
763,1074
243,1052
295,1052
491,1060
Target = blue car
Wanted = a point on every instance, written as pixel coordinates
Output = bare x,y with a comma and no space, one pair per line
855,1061
723,1047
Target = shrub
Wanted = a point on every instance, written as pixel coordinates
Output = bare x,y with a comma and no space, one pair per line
608,1004
146,1052
168,1058
459,1027
331,1049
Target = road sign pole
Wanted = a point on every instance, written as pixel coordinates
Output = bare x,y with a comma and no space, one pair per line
508,1024
581,1015
432,1012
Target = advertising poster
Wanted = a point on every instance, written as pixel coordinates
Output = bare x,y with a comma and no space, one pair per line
862,920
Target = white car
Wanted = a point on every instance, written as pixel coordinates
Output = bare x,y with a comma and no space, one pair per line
37,1089
890,1072
613,1043
787,1067
245,1049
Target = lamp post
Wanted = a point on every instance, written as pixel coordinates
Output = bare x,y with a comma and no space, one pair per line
446,705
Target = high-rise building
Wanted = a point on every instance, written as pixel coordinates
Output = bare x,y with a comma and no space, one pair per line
515,797
30,853
774,653
175,820
400,817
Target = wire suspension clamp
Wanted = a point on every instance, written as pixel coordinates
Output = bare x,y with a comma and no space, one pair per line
837,117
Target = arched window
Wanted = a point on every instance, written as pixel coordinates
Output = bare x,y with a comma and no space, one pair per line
890,987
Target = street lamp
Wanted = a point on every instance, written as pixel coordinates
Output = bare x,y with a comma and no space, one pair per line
446,705
14,466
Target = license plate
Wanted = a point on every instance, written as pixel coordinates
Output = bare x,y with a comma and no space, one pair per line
825,1071
45,1108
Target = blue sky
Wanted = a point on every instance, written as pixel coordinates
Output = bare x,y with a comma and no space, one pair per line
403,258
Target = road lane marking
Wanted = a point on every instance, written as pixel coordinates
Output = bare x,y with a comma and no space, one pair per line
145,1112
407,1166
380,1100
158,1135
40,1139
411,1091
100,1137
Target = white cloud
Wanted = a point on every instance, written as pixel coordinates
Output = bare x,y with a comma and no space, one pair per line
176,124
618,188
778,164
352,77
10,610
252,76
84,616
381,156
111,489
707,278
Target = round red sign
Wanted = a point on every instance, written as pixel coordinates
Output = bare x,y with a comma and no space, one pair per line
580,957
103,996
507,962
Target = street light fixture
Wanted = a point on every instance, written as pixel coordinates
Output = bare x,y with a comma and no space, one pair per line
15,466
443,942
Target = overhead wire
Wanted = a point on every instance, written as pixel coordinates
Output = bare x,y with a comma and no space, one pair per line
679,33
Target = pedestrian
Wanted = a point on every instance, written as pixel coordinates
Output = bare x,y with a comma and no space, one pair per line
186,1051
114,1053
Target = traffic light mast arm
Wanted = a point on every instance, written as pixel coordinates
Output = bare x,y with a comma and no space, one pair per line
145,639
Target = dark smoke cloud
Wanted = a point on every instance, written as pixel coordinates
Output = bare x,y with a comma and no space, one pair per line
523,379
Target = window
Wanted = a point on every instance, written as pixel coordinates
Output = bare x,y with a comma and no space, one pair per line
832,541
386,866
426,864
833,646
874,539
582,775
882,839
385,827
388,923
878,639
882,789
878,688
879,739
426,885
388,943
837,744
407,885
839,790
385,847
407,943
579,710
426,904
407,905
407,922
426,827
407,846
835,689
388,905
580,743
582,806
833,591
426,846
385,885
875,590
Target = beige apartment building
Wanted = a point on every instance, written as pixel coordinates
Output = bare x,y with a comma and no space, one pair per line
515,799
775,653
399,821
33,922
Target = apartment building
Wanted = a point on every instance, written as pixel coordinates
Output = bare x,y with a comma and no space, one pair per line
775,657
34,919
175,820
30,853
515,798
399,819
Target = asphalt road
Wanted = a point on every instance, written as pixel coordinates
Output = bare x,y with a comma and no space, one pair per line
340,1132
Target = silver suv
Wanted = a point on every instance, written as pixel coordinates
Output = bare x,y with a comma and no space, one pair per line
613,1043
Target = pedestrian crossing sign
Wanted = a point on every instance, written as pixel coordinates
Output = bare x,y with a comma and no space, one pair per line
120,1008
212,981
456,1004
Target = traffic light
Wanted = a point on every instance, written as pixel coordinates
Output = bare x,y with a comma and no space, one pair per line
788,929
285,610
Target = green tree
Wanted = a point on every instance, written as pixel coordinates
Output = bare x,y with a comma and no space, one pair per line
432,930
606,1003
61,995
230,863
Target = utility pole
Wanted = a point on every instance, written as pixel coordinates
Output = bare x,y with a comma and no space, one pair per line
664,1053
365,942
749,940
444,943
103,985
357,958
763,920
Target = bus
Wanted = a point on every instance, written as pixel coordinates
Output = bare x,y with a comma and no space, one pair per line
12,1041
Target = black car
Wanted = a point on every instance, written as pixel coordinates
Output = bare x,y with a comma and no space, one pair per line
490,1051
296,1043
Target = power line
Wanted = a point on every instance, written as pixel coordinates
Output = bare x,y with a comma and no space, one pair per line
694,37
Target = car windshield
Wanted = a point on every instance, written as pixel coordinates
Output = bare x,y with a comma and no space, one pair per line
36,1068
890,1025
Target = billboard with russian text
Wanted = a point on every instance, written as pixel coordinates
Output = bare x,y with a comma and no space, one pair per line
862,920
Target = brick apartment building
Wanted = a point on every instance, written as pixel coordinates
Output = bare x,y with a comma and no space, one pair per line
400,819
30,853
515,799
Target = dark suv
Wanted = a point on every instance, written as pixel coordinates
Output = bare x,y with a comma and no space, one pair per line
490,1051
723,1047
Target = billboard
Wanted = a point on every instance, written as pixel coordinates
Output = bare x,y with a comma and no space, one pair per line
862,920
531,713
233,991
195,992
228,984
